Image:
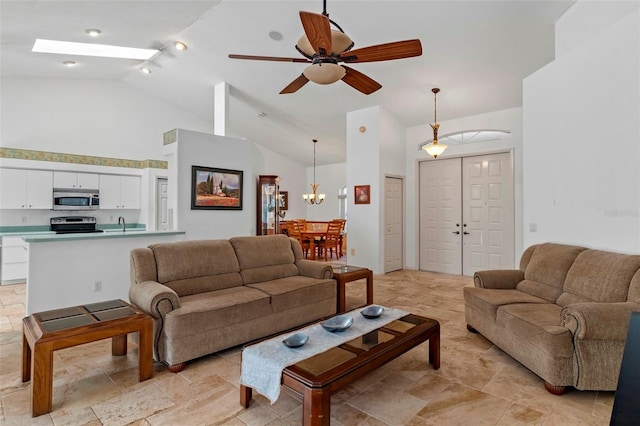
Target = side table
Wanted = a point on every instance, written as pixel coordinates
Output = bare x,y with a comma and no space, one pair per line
347,273
46,332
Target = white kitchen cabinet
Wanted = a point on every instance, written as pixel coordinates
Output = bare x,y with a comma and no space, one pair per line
76,180
14,260
26,189
119,192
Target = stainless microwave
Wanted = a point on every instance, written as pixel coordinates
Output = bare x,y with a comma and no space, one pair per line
75,199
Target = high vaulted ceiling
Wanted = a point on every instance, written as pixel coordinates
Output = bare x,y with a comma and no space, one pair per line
477,52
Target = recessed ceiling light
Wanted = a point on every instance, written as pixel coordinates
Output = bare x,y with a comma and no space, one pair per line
69,63
90,49
180,45
261,114
93,32
145,70
275,35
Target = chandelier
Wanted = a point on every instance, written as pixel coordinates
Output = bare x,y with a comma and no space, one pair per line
434,148
313,197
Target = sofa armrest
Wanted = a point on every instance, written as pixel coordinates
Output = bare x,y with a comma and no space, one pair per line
154,298
498,278
310,268
598,321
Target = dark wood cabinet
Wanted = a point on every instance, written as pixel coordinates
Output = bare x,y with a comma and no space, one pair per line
268,210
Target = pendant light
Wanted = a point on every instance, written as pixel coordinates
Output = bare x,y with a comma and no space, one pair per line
434,148
313,197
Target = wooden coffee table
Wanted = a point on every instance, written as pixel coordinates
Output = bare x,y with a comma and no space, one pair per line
320,376
347,273
46,332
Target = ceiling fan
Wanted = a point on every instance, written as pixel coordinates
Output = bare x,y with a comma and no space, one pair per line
324,48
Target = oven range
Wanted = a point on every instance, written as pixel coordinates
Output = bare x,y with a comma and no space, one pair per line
74,224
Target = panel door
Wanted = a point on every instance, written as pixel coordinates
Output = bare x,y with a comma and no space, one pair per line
162,204
393,253
488,213
440,216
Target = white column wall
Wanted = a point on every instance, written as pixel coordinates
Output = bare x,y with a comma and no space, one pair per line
582,133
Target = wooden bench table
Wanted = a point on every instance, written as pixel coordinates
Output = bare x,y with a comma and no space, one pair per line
46,332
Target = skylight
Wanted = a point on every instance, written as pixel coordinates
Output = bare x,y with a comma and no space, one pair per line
91,49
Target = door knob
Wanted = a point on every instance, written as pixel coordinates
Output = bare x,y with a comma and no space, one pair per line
456,232
465,233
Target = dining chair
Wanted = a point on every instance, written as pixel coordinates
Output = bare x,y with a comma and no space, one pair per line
294,232
331,240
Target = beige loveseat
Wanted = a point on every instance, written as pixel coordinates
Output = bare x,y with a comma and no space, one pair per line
209,295
564,314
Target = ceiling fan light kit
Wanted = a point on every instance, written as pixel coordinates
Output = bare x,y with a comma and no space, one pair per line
434,148
324,48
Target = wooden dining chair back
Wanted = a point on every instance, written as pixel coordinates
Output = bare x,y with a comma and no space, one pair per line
294,232
332,240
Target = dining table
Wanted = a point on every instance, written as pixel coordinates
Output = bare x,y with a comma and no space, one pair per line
313,231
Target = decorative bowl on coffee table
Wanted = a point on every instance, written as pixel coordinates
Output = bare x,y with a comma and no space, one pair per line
372,311
296,340
337,323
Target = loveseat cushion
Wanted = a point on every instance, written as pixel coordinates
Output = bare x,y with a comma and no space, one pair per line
266,258
287,293
538,324
487,300
599,276
191,267
216,309
547,269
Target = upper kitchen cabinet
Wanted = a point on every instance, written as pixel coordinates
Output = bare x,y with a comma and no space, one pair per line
76,180
26,189
119,192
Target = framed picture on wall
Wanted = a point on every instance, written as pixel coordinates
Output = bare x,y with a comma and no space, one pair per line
362,194
284,200
215,189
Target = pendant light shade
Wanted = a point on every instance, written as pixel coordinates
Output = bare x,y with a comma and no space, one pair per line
434,148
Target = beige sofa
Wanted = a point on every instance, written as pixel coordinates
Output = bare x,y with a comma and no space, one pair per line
210,295
564,314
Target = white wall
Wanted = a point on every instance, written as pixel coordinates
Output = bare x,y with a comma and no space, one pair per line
91,117
581,139
207,150
508,120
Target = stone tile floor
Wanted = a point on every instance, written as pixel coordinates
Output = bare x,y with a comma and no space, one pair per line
476,384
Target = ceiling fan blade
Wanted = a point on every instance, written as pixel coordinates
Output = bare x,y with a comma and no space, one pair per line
318,31
360,82
295,85
269,58
384,52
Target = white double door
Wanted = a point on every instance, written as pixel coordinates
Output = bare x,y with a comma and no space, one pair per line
467,214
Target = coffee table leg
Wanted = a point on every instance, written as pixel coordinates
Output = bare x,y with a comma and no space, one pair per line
245,395
434,351
316,408
119,345
42,380
145,350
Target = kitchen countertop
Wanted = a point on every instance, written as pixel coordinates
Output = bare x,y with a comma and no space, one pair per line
44,237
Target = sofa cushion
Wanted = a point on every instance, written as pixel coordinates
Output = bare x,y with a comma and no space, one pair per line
488,300
538,324
190,267
216,309
599,276
547,269
266,258
287,293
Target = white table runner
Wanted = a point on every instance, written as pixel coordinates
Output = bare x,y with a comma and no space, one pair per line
262,363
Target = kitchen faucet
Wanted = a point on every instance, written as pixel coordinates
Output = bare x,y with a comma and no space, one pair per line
121,219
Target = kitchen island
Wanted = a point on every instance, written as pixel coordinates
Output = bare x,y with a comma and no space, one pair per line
75,269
